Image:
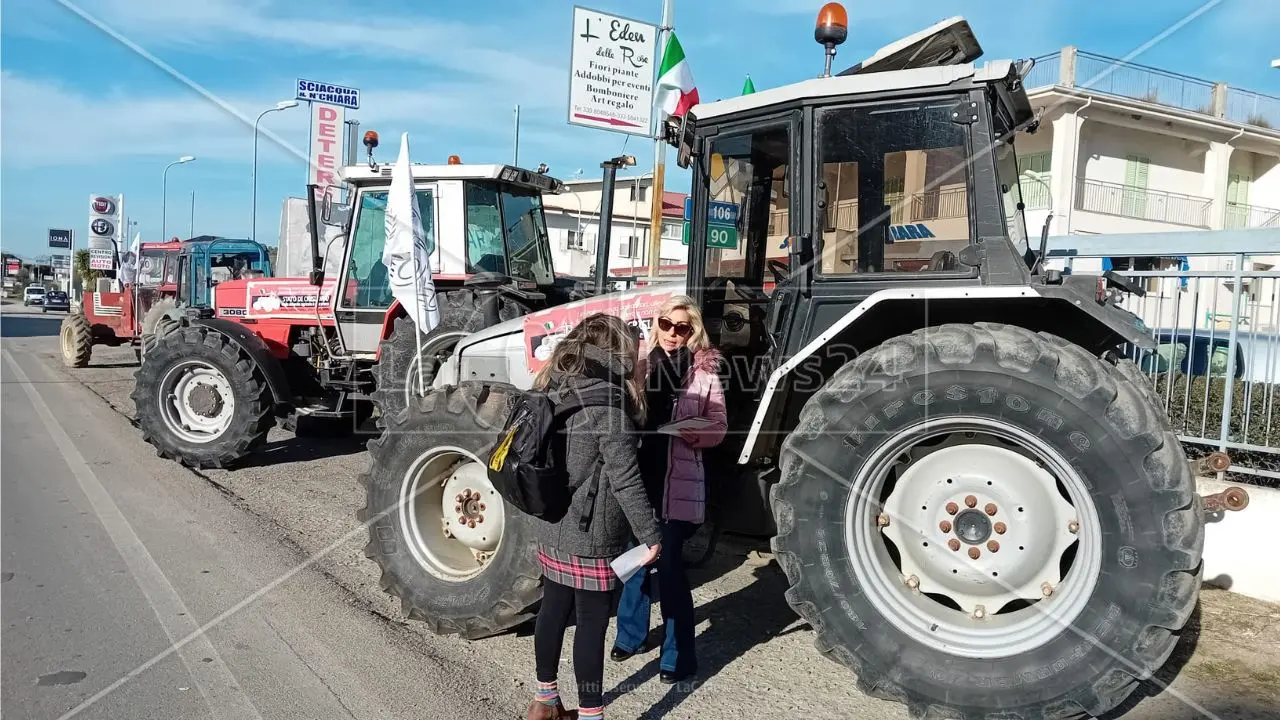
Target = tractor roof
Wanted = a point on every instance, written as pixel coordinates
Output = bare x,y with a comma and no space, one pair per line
940,56
363,174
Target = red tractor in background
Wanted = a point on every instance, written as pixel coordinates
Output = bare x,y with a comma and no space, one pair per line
321,353
117,313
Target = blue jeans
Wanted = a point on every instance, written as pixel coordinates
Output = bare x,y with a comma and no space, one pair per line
675,596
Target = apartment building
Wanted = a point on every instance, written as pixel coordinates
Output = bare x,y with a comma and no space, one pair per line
573,223
1125,148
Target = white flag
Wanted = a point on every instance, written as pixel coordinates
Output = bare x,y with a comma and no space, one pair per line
131,263
405,253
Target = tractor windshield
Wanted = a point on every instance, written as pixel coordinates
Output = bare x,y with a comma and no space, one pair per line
507,232
151,270
748,203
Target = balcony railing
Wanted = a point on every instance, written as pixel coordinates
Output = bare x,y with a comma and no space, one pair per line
1251,108
1251,216
1102,74
1035,194
1143,204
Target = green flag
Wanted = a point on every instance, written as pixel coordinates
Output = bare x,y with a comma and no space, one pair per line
748,87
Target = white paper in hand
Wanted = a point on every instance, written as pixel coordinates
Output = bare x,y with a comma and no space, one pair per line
629,562
693,423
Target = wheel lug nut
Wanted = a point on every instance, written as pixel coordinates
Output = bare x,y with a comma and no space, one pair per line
457,508
970,501
945,526
480,519
471,523
882,520
1046,589
974,553
979,612
482,507
462,520
990,509
1000,528
993,546
954,544
913,582
952,508
459,498
1073,527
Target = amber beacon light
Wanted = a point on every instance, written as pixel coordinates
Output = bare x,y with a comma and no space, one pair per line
831,29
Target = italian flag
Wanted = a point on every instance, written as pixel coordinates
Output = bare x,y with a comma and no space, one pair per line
676,91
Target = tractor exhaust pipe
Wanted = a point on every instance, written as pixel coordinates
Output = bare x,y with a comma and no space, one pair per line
606,216
316,276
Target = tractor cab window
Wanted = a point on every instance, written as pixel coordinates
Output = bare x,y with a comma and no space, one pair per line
237,266
1015,218
151,269
507,232
748,204
368,285
897,188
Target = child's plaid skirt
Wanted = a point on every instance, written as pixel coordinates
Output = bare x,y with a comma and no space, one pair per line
580,573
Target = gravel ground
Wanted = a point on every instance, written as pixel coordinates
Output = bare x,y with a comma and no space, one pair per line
754,652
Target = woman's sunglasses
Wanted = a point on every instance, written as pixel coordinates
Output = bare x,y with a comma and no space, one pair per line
682,329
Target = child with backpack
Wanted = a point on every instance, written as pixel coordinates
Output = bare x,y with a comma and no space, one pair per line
592,370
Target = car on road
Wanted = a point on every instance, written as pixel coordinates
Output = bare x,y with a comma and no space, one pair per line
56,300
33,295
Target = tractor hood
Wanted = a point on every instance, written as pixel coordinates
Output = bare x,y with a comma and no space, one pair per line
515,350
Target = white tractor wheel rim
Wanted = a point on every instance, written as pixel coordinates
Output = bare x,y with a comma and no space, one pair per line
1012,597
452,517
196,401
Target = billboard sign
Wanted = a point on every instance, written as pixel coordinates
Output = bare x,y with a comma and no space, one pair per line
102,258
328,93
611,72
327,138
12,266
59,239
104,222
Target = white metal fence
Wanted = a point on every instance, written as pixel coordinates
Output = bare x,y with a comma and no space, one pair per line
1216,367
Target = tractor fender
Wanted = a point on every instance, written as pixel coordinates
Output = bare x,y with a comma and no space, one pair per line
1068,310
258,350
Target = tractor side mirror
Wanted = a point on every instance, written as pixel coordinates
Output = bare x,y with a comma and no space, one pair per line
678,132
334,214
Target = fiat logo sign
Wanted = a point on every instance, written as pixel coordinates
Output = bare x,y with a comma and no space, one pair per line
102,227
104,206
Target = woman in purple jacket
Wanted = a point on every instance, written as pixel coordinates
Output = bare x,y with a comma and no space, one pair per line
682,383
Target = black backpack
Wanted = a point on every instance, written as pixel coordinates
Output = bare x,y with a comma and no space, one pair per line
527,463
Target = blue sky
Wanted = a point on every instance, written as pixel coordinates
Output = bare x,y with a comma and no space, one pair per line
81,113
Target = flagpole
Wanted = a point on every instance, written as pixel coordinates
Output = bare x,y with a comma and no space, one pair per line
659,157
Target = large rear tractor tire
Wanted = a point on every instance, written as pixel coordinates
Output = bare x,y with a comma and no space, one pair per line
397,372
157,322
458,557
76,338
984,522
201,399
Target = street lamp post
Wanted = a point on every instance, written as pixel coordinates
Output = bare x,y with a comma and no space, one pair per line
164,194
253,222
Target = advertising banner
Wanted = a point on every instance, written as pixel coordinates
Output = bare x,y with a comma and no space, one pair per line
291,299
543,330
327,140
611,72
104,221
328,93
102,258
12,266
59,239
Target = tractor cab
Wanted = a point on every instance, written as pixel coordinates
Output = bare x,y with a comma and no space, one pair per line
485,229
206,261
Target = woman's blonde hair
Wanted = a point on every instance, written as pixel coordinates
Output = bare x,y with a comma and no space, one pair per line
605,332
698,339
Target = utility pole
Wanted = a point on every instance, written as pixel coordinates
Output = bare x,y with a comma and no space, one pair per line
659,154
192,231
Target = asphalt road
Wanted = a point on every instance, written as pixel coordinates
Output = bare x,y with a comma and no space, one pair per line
325,641
134,590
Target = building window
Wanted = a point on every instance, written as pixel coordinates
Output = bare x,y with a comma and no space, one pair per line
574,240
638,192
627,248
1134,200
672,231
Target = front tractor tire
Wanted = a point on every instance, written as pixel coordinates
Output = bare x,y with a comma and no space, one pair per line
76,340
397,373
201,399
984,522
456,555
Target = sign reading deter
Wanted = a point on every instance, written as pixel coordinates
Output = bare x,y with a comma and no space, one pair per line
611,72
326,148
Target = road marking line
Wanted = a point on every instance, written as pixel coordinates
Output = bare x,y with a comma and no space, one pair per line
222,693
